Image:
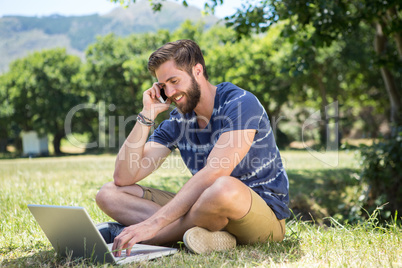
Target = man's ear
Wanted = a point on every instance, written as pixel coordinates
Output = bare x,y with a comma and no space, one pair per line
198,70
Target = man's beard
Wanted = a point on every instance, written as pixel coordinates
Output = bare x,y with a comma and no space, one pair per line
192,97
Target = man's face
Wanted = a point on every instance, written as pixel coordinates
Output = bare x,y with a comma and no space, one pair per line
180,87
193,95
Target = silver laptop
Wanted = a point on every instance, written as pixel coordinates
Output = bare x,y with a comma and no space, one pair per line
71,232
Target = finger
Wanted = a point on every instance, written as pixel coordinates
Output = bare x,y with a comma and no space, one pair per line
149,97
129,246
128,251
155,93
159,88
150,92
117,247
117,241
116,250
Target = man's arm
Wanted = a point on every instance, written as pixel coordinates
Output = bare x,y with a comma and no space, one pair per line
229,150
137,158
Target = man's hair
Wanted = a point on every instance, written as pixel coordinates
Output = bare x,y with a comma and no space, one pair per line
185,53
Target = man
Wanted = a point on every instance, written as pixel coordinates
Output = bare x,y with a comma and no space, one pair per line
239,189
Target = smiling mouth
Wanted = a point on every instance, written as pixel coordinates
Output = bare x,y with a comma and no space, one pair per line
178,98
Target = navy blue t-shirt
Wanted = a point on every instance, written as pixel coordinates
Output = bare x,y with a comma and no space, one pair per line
234,109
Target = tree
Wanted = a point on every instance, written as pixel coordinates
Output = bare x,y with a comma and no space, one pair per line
324,22
41,90
116,74
330,21
343,72
5,114
255,64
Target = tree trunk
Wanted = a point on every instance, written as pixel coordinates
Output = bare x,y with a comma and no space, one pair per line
3,137
3,145
324,102
57,142
389,81
392,14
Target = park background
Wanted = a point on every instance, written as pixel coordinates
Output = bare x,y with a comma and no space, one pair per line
327,72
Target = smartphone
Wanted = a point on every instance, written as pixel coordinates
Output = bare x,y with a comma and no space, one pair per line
163,97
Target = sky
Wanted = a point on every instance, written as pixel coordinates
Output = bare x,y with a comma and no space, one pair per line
86,7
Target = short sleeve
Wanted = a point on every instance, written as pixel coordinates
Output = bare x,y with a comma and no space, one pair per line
167,133
241,112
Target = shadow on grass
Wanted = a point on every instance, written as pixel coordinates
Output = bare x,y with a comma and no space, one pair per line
41,258
256,255
287,251
317,194
46,258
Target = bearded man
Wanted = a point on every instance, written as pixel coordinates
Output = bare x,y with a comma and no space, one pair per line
238,192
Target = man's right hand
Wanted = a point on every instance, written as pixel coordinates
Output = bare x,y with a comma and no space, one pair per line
151,105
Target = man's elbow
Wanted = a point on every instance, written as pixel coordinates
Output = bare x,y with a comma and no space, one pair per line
120,180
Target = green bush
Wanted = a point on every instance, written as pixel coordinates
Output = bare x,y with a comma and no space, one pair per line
382,171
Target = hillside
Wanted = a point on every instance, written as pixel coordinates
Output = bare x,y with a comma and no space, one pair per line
21,35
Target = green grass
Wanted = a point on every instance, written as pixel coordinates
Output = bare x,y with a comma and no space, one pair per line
325,192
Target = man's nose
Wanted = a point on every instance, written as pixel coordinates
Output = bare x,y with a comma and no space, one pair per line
170,91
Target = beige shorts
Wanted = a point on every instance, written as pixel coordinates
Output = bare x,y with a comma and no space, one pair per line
258,225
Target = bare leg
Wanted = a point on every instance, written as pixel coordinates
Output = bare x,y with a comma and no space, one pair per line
125,204
228,198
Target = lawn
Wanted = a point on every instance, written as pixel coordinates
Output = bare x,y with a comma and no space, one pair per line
324,189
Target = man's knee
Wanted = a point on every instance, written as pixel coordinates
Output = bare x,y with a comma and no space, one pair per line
105,194
227,198
221,193
226,189
110,195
